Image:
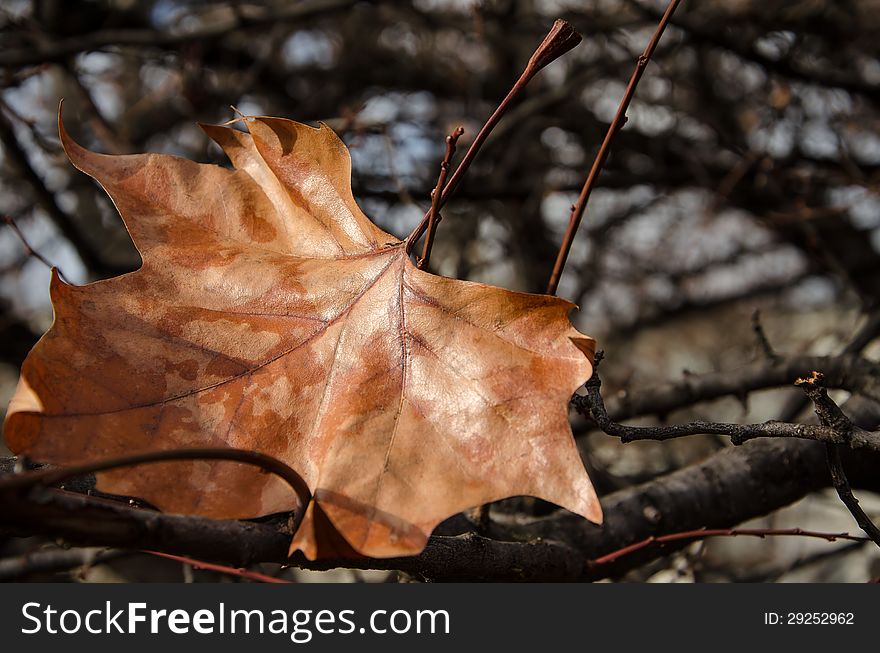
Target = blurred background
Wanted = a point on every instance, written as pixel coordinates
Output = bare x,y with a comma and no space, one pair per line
746,178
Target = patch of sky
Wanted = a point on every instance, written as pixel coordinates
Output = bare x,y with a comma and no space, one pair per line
309,48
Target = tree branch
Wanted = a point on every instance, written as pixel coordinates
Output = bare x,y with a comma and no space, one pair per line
846,372
561,38
866,334
592,405
58,50
832,418
53,561
784,67
701,533
730,487
577,210
53,476
46,198
434,217
29,251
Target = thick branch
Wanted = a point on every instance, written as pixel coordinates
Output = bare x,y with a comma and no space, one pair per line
726,489
81,519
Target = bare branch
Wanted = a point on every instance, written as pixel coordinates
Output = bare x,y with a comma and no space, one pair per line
54,561
732,486
761,337
434,217
846,372
702,533
592,405
577,211
60,49
221,569
784,67
561,38
831,417
46,198
52,476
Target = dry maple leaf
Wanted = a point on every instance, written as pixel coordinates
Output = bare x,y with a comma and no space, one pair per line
271,314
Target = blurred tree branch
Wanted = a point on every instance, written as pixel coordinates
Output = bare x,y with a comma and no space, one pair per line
59,50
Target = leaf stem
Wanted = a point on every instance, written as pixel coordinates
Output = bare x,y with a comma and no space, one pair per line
561,38
577,209
434,216
53,476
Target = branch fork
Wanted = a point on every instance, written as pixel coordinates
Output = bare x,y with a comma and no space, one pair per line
561,38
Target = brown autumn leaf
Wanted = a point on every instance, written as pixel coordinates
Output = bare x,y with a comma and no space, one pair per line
271,314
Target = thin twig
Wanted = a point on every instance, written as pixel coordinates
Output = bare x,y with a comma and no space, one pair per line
30,251
561,38
746,50
222,569
100,124
577,209
54,561
46,198
866,334
48,477
832,417
403,194
848,372
592,405
434,214
771,575
761,337
844,491
827,411
719,532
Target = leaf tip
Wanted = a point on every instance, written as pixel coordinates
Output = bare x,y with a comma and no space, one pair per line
75,152
317,537
586,344
57,285
24,399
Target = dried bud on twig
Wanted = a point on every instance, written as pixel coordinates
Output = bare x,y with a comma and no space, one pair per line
561,38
